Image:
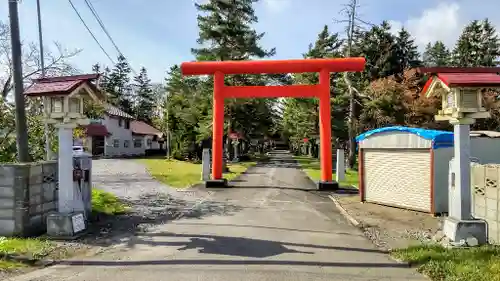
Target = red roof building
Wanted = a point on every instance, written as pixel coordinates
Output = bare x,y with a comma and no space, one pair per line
96,130
118,134
142,128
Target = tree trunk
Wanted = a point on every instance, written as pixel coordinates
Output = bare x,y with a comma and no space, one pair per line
352,131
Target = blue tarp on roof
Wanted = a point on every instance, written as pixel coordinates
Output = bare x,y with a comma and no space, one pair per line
439,138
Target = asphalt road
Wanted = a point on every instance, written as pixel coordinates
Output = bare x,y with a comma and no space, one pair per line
271,225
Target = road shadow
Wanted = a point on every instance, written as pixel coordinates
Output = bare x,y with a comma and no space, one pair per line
346,190
151,210
238,247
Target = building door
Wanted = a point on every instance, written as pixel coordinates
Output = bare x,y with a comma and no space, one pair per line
98,143
398,178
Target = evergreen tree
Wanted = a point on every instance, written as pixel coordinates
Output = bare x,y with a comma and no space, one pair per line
117,85
478,45
145,100
226,33
226,27
436,54
406,52
300,116
378,46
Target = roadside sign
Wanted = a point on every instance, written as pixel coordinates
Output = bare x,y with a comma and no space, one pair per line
233,136
305,139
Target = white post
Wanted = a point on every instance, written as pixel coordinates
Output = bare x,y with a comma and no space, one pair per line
65,163
340,168
236,151
460,194
460,227
205,167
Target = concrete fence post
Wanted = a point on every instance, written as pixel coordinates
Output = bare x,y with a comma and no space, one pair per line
340,168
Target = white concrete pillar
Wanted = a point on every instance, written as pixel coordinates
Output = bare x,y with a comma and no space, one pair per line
205,166
460,193
65,171
236,150
340,166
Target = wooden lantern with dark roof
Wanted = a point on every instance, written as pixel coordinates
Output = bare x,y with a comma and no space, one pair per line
461,90
63,97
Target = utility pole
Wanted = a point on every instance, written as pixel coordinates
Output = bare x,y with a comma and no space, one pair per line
48,149
21,127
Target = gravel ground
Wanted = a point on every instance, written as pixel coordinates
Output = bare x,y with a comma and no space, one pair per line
390,228
152,202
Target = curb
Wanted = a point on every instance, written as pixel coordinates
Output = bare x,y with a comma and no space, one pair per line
357,224
346,215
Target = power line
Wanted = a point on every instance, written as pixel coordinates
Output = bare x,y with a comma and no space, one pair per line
98,18
88,29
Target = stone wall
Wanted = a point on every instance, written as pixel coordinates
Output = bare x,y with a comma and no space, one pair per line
28,192
485,187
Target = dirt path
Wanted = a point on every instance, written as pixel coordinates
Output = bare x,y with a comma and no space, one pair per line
272,225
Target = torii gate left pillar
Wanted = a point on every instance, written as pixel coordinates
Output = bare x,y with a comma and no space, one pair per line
321,91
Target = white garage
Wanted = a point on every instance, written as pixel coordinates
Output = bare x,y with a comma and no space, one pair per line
405,167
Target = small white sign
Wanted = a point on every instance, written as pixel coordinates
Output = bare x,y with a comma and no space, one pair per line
78,223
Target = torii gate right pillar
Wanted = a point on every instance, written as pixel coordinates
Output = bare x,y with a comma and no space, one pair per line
325,132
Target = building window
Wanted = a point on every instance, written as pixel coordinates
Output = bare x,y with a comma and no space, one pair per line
150,143
120,121
126,143
127,124
138,142
116,143
56,104
75,105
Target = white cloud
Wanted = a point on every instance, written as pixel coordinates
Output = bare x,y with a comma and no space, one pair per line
443,22
276,5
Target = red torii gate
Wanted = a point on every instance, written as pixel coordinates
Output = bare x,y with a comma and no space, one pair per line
321,91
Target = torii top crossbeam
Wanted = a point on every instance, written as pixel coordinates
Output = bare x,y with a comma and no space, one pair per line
273,66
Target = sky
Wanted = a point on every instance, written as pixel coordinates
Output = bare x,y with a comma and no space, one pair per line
157,34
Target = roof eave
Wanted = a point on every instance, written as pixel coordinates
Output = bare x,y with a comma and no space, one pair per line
438,69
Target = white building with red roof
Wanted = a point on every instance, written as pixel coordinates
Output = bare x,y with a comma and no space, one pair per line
116,134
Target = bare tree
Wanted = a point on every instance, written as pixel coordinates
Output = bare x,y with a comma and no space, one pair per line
353,23
55,62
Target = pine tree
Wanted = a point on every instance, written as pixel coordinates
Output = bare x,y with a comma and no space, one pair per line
478,45
226,33
436,54
227,28
300,116
145,101
490,45
378,46
406,52
117,85
326,46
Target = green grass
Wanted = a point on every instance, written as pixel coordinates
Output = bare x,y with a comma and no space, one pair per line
22,252
25,248
458,264
312,168
182,174
106,203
